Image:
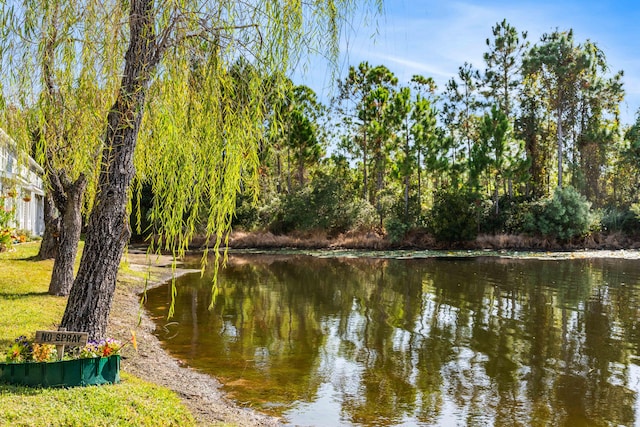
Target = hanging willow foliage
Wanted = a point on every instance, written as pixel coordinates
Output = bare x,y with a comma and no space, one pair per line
199,147
200,74
208,108
58,81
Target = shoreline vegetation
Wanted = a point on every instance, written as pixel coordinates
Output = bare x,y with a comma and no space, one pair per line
423,241
161,389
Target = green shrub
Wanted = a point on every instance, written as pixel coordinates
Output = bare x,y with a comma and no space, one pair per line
363,216
247,215
402,218
623,220
325,204
635,209
510,217
395,228
7,217
5,240
519,216
455,216
289,213
564,216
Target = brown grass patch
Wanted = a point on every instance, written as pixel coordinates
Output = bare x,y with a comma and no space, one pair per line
419,240
513,241
360,241
267,240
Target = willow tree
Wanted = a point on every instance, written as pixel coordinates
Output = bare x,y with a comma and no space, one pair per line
202,144
59,87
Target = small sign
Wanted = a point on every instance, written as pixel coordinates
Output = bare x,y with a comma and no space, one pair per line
71,339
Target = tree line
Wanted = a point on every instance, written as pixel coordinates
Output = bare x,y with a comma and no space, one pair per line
532,143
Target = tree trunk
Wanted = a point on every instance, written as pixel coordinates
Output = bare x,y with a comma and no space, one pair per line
288,170
379,170
279,168
560,151
496,197
50,238
406,199
406,171
70,229
365,177
108,230
301,167
419,185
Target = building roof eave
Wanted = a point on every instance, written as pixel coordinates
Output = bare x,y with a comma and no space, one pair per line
6,139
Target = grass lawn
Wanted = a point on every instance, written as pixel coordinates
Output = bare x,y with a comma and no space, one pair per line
25,307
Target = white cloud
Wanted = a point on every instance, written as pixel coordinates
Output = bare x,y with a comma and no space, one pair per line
408,67
436,38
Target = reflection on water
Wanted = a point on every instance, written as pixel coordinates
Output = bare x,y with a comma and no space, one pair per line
480,341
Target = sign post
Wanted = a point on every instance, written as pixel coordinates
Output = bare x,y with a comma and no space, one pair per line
61,339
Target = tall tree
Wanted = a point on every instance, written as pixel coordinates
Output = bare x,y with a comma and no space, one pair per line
494,135
532,127
626,170
559,62
362,96
350,106
462,103
597,124
502,75
406,148
301,125
383,129
414,120
423,125
213,145
50,237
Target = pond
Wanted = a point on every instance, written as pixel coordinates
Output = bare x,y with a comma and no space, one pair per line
369,341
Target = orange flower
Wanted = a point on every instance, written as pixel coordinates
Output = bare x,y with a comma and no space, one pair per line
134,343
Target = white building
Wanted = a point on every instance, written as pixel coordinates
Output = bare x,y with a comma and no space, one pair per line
21,186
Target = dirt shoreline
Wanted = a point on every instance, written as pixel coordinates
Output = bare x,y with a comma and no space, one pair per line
200,392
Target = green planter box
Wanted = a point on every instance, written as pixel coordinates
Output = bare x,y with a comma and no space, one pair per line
66,373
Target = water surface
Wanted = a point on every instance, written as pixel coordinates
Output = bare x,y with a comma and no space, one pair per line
452,341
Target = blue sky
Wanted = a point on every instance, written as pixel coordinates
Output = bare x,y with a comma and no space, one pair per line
434,38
